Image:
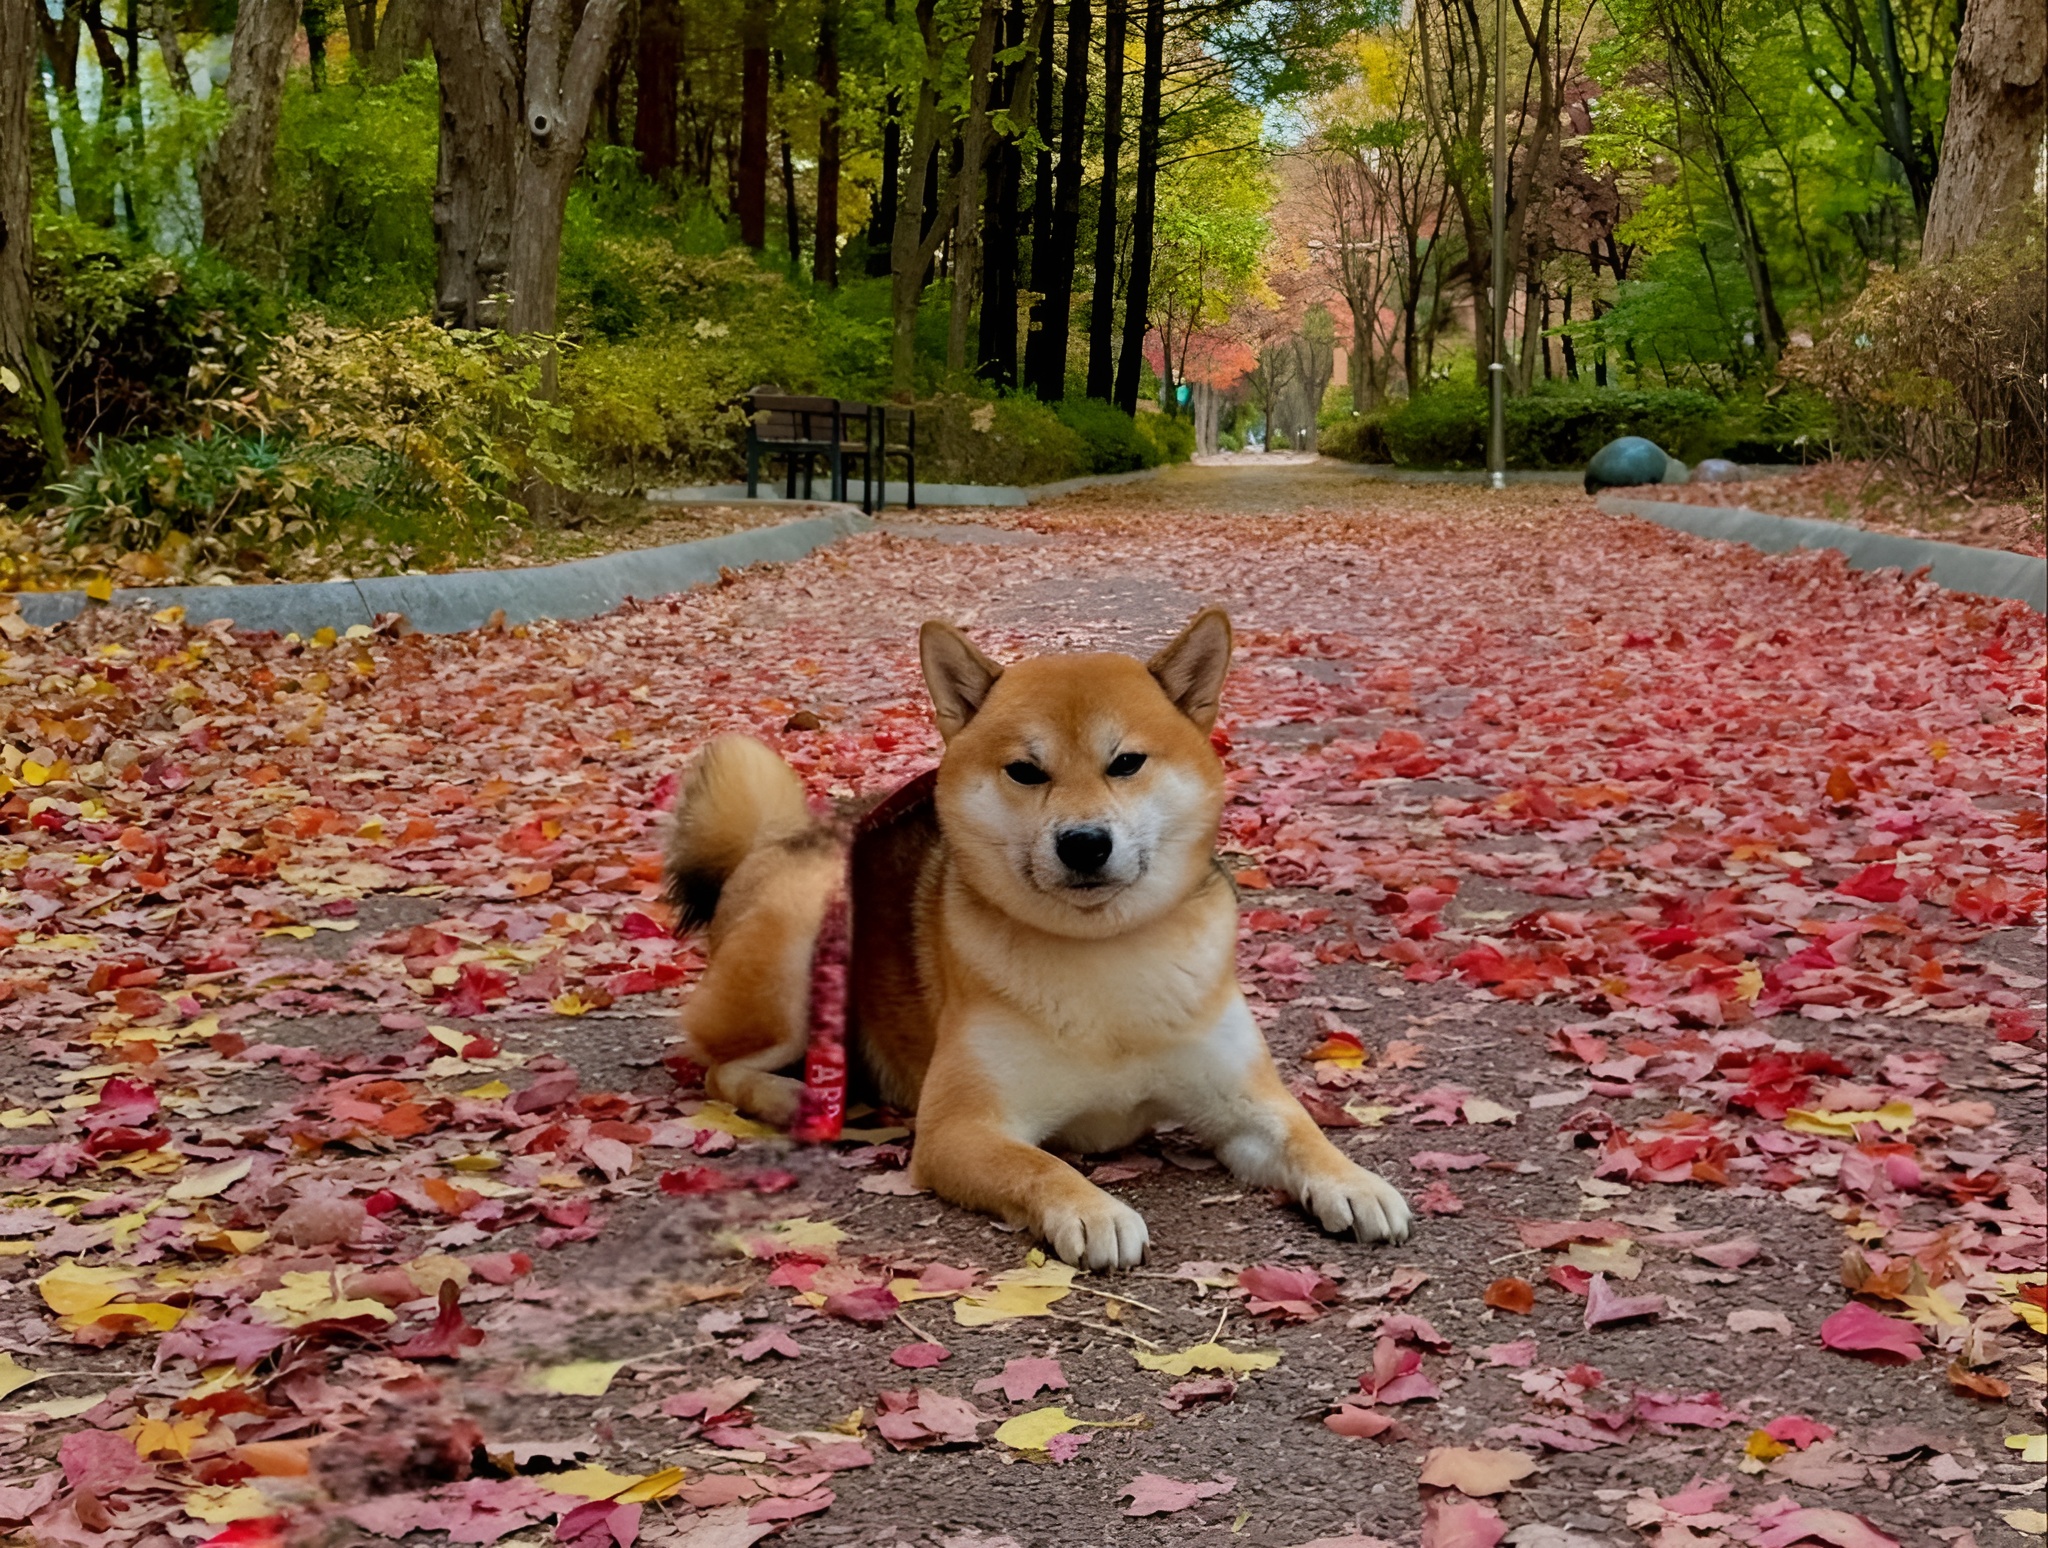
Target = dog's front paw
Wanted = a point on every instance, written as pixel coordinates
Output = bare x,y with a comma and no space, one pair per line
1358,1203
1095,1231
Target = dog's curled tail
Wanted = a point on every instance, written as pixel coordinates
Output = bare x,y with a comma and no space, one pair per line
739,796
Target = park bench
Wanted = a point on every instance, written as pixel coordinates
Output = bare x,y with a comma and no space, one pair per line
804,431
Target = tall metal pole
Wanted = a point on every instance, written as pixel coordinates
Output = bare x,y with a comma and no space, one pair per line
1497,429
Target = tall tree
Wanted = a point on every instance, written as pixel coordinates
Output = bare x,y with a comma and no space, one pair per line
976,136
825,248
1052,265
1102,298
750,198
513,121
657,61
923,212
234,178
24,376
1991,148
1144,210
882,219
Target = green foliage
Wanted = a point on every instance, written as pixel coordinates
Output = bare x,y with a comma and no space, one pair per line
229,500
1556,429
1943,370
133,337
1172,439
1010,440
353,192
1109,437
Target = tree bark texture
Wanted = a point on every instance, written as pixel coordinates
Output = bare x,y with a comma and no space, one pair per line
974,149
923,215
234,178
1991,148
657,66
825,247
1102,300
1144,208
26,386
513,126
401,38
750,198
1052,269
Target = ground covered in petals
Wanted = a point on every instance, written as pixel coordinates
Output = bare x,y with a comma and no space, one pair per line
1664,917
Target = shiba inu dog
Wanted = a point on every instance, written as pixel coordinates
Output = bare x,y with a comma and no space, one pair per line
1043,952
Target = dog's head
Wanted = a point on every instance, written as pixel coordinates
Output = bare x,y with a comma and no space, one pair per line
1079,794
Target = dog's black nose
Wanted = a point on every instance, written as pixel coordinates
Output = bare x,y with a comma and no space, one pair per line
1084,851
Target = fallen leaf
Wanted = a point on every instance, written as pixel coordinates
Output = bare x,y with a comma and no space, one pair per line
579,1378
1511,1295
1208,1357
1473,1471
1031,1431
1857,1329
1024,1378
1154,1494
1604,1307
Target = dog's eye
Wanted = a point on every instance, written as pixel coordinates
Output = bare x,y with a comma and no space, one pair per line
1124,765
1026,773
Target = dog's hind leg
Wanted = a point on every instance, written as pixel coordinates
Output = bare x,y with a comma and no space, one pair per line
749,1016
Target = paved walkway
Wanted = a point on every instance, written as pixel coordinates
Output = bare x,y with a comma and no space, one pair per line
1664,916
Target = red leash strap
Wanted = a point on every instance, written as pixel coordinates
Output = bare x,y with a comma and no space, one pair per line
821,1110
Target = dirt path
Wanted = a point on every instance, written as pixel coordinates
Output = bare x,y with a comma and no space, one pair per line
1664,917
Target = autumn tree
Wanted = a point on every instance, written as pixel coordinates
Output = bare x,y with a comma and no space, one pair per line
234,180
1992,155
24,378
515,107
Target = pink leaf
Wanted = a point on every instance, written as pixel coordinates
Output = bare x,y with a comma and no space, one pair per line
1452,1521
1022,1378
1154,1494
769,1341
918,1357
1603,1306
1361,1423
1858,1329
1784,1522
1798,1431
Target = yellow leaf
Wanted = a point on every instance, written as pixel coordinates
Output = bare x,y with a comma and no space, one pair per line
1764,1446
1480,1110
296,932
595,1482
34,773
14,1377
579,1378
312,1297
169,615
72,1289
2032,1522
1893,1118
1369,1114
482,1160
716,1115
655,1486
218,1507
1749,982
1022,1292
159,1316
1208,1357
569,1003
324,637
801,1234
1030,1432
55,1410
214,1180
2032,1448
1616,1258
1934,1310
100,589
158,1437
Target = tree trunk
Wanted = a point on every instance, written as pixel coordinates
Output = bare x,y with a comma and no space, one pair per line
1052,270
164,26
24,376
1102,299
882,219
657,69
359,17
1003,236
513,124
921,216
1046,105
402,37
825,249
1991,143
234,180
751,197
313,17
1144,209
792,239
974,148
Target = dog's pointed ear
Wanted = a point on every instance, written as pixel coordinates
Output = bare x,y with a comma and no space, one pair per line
957,676
1191,668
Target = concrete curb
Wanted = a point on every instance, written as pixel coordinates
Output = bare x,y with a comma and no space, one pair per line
937,495
466,599
1983,572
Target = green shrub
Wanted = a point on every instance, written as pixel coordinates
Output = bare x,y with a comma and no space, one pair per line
1172,439
1447,428
246,502
1109,437
1360,438
1791,423
1012,440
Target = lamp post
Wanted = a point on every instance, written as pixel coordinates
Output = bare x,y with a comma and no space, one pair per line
1496,375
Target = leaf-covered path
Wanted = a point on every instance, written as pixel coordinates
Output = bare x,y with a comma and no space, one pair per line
1664,917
